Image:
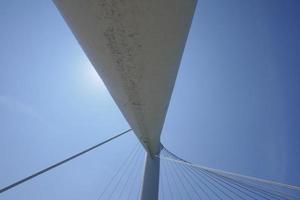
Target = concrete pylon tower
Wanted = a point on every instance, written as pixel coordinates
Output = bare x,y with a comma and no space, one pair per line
136,47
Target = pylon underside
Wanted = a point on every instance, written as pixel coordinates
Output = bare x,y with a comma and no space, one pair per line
136,48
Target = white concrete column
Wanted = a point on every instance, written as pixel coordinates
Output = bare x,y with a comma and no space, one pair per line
150,183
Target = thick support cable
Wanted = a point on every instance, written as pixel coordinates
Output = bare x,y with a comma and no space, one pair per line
254,188
218,171
230,181
281,194
59,163
251,190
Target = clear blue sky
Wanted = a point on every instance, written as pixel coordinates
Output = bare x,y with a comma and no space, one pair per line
235,104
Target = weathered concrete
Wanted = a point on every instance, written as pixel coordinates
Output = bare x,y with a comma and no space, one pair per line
136,48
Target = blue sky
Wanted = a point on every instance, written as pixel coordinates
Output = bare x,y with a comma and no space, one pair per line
235,105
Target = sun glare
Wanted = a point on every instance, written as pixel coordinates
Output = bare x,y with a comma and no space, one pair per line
92,78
